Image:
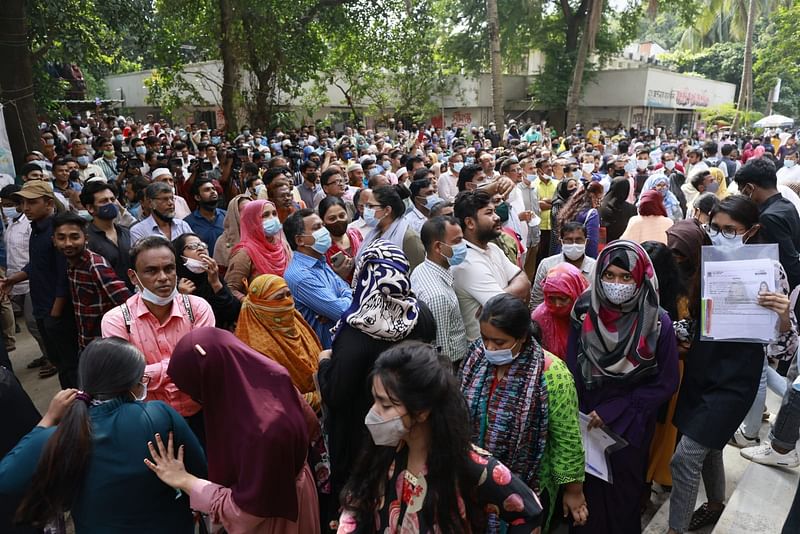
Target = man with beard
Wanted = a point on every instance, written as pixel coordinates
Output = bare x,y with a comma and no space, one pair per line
207,220
486,271
162,221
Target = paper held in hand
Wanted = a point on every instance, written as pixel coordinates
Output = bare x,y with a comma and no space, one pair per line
598,444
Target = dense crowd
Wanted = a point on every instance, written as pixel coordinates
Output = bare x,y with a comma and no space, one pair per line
390,329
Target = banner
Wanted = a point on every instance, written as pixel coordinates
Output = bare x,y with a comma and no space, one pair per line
776,93
6,157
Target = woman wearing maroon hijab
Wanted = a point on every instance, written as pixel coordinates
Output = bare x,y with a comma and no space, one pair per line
257,435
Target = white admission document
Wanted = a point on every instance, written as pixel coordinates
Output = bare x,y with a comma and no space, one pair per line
730,300
598,444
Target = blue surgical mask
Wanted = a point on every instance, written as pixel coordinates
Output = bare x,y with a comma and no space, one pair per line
347,155
630,167
459,252
322,240
141,150
721,241
215,140
500,356
431,201
374,171
83,161
10,213
369,217
470,160
457,166
387,165
271,226
118,137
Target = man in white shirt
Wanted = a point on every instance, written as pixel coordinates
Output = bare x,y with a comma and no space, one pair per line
486,271
162,221
448,182
573,250
790,172
86,169
423,198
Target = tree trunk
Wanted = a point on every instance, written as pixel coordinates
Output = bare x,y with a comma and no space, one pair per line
230,72
746,87
16,81
498,98
590,27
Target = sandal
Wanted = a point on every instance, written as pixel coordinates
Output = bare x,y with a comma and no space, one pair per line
38,362
47,371
704,516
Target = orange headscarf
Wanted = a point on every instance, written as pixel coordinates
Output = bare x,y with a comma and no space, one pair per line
278,331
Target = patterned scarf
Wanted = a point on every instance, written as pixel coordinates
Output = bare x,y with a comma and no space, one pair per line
383,305
518,432
618,342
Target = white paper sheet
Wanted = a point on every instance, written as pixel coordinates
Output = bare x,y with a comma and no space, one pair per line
730,299
596,445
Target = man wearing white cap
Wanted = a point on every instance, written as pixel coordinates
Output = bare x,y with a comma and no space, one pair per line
162,174
355,178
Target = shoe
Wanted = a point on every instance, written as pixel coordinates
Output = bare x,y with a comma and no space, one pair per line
38,362
741,441
47,371
704,516
765,416
766,455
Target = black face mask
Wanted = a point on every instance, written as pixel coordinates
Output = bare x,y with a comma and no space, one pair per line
618,172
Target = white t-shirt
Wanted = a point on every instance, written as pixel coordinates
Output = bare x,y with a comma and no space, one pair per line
787,175
482,275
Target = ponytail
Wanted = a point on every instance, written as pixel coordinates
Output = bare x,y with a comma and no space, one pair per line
61,470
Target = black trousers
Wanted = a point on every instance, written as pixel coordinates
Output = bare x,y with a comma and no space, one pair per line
60,336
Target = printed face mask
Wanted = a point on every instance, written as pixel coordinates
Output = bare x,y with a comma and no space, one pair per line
618,293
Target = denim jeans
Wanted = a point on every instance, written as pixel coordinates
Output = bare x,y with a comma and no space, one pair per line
769,378
792,524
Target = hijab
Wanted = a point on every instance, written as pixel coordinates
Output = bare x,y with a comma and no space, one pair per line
394,234
652,203
563,280
278,331
268,257
670,201
383,305
618,342
230,233
617,194
257,435
719,177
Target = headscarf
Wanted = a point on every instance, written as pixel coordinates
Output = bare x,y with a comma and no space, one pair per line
758,152
617,194
267,257
278,331
518,435
230,232
670,201
652,203
383,305
394,234
618,342
257,435
565,280
719,177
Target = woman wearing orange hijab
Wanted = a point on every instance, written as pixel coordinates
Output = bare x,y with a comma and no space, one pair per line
270,324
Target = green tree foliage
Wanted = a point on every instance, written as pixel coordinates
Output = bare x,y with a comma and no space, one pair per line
724,114
777,56
721,61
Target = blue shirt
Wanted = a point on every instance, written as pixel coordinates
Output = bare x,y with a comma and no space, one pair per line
47,269
320,295
208,231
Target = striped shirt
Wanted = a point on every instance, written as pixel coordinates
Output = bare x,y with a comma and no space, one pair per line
17,236
433,285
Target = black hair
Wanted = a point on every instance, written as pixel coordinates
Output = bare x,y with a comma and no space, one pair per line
273,173
739,208
308,164
670,285
416,376
108,368
179,243
95,186
710,148
509,314
69,217
706,203
149,243
250,168
572,226
466,174
727,149
695,152
468,204
434,230
699,178
200,182
421,174
330,171
250,179
138,183
294,225
419,184
329,202
391,196
411,161
759,172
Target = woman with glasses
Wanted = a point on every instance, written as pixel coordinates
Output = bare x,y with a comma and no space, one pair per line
85,455
261,250
721,381
198,274
384,214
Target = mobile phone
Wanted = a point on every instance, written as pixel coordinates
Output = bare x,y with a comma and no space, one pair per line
206,165
242,152
338,259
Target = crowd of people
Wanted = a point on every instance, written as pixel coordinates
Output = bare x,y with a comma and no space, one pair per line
386,330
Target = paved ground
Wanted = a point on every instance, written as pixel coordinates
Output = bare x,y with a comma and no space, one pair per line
40,390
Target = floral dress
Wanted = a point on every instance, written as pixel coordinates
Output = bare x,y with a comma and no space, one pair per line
498,491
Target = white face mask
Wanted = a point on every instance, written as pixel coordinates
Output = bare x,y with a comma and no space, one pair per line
195,266
618,293
385,433
789,163
152,298
642,164
669,165
587,167
574,251
721,241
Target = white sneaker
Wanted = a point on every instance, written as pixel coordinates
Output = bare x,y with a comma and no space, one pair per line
741,441
766,455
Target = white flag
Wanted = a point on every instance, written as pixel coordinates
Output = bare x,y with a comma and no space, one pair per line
6,158
776,93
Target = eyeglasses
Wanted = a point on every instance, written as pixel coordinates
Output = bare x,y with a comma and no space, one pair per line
196,246
728,231
145,380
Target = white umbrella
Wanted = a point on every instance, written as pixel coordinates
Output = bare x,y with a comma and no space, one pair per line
774,121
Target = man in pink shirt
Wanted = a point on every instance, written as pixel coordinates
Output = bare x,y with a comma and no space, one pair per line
156,318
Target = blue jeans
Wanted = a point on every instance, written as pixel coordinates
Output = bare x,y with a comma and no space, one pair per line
769,378
792,524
